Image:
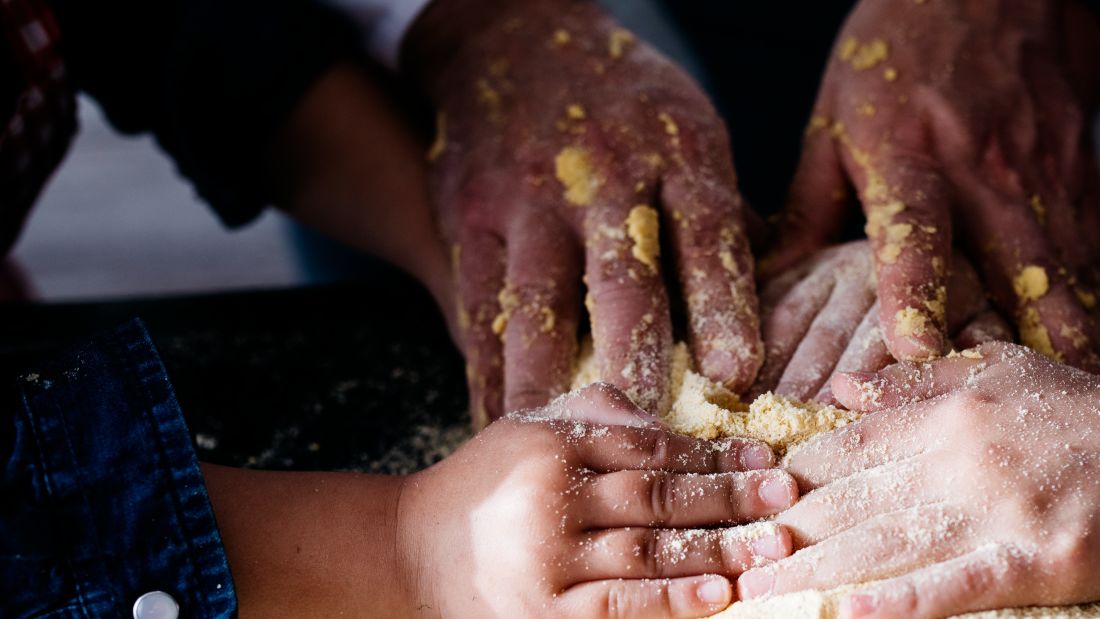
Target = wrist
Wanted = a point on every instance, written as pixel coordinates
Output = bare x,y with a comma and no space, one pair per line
416,552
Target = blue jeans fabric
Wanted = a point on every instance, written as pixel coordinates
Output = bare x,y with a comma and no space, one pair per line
101,498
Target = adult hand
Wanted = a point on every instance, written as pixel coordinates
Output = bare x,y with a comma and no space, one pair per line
566,147
820,318
974,114
971,484
543,515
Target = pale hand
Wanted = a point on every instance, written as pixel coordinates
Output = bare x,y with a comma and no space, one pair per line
971,484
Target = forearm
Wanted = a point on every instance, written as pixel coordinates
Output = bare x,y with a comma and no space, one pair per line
348,164
310,544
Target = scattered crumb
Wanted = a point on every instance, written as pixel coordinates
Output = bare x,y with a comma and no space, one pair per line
1031,283
910,322
643,227
863,56
702,408
573,167
439,146
618,41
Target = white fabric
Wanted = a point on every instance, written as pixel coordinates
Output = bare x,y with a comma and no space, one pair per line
384,24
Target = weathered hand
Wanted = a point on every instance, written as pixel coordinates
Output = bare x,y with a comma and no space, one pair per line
563,143
973,486
548,514
973,114
821,318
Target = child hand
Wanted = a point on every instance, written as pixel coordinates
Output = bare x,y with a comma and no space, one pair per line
543,515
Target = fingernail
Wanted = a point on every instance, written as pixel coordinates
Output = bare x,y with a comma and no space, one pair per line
755,583
861,377
715,591
859,605
756,457
719,365
776,492
770,547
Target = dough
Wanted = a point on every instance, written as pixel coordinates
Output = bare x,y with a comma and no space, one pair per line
705,409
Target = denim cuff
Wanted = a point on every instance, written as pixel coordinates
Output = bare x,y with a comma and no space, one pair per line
104,500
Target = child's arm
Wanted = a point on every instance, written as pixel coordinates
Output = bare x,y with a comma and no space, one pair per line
535,517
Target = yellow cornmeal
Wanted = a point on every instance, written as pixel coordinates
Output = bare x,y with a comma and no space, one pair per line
705,409
910,321
1034,335
1031,283
439,146
895,235
573,167
617,42
575,111
643,227
863,56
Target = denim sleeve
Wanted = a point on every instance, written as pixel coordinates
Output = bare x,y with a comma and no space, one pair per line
212,80
102,497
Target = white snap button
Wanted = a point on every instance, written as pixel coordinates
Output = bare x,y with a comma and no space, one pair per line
156,605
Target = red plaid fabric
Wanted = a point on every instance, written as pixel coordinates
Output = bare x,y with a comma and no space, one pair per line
38,134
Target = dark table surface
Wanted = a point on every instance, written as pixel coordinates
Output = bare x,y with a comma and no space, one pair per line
360,376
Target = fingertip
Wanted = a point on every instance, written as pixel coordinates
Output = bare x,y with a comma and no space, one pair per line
858,605
756,456
605,404
754,584
714,592
778,490
735,370
913,335
825,395
776,544
926,347
721,366
856,391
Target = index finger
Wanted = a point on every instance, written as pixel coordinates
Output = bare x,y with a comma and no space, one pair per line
713,258
909,225
609,433
619,448
627,302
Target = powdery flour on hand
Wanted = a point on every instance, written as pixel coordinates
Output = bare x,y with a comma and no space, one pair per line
704,409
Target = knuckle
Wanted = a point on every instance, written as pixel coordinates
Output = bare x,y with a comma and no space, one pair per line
661,497
529,395
902,600
1069,552
660,450
617,603
616,287
649,553
606,395
975,580
976,402
730,558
